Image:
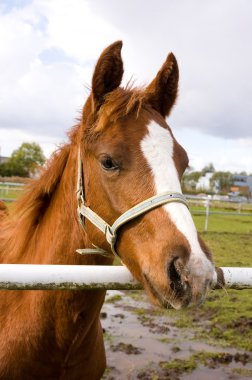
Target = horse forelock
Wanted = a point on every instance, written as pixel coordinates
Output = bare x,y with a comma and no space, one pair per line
117,104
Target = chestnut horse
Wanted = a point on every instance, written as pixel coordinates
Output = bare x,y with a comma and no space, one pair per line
128,155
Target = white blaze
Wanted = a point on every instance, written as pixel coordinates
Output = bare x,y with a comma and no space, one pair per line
157,147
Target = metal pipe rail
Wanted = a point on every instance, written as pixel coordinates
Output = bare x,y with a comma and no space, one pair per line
79,277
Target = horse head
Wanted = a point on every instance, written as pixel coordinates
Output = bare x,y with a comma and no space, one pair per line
129,155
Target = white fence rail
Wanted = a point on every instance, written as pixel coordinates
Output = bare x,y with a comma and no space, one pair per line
208,202
79,277
10,190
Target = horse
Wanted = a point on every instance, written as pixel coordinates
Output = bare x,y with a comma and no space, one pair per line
128,166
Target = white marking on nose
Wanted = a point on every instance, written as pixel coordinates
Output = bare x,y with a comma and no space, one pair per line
157,147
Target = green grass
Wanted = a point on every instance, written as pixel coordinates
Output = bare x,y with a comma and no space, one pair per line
230,249
229,319
10,192
231,311
180,365
225,223
208,359
113,299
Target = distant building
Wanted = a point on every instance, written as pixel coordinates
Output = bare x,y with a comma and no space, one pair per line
242,184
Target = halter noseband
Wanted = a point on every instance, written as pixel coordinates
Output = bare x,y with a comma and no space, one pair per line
109,231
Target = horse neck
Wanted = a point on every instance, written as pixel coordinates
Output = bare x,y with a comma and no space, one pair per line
45,229
60,231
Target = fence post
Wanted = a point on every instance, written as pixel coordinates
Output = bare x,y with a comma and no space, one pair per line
207,205
239,207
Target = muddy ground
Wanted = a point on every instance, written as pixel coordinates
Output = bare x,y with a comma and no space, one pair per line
144,343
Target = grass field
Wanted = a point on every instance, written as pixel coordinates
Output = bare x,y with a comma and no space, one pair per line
10,193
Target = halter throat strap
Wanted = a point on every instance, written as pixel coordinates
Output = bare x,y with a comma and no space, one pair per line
110,231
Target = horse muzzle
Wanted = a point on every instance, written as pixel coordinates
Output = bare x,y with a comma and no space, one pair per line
187,285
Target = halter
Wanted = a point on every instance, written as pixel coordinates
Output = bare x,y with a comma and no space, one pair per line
110,231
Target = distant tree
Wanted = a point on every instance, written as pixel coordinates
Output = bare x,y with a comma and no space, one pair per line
208,169
23,161
190,179
223,179
192,176
5,169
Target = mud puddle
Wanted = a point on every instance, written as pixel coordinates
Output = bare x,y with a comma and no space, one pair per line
141,343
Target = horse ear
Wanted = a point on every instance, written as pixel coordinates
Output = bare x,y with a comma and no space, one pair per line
162,91
107,74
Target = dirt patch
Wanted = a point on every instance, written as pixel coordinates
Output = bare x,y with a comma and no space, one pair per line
154,327
243,358
122,316
157,375
214,360
128,349
242,324
176,368
200,315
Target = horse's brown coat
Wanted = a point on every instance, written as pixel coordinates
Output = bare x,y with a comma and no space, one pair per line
57,334
45,335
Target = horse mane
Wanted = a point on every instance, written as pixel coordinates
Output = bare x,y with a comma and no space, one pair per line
20,226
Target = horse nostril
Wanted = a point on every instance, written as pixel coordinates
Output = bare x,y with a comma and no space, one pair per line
177,274
172,272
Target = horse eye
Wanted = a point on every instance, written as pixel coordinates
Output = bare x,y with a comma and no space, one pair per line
107,163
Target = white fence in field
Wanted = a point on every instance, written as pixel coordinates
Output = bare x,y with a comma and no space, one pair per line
79,277
238,205
10,190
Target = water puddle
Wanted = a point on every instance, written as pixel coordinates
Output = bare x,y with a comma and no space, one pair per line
141,343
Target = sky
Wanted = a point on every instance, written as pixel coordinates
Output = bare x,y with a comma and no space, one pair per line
49,48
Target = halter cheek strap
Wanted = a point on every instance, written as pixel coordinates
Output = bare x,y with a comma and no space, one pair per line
110,231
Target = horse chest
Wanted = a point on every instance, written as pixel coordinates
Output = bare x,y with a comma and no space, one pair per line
85,358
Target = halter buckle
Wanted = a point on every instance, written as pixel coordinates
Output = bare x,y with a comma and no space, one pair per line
110,235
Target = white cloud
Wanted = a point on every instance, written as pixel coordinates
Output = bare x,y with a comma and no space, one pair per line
245,143
20,45
40,107
211,40
73,27
225,154
13,138
42,95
